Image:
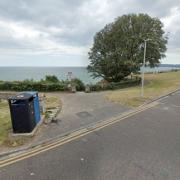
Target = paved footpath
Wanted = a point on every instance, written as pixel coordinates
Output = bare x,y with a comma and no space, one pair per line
80,110
145,146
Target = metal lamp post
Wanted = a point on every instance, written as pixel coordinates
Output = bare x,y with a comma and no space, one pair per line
143,68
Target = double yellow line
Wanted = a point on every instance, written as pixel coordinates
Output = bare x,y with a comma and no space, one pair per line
72,136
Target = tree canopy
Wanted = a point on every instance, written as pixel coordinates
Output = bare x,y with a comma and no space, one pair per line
118,48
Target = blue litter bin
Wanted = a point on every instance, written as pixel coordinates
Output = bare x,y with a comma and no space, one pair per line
22,113
36,105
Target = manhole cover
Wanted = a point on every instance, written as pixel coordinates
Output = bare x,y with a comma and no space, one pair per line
83,114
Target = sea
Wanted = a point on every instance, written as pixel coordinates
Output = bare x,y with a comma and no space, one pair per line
63,73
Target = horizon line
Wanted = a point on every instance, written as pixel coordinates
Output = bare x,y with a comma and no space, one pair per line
70,66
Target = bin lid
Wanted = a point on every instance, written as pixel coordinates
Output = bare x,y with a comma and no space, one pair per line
31,92
21,96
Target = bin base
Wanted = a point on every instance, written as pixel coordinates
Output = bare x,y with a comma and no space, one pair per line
31,134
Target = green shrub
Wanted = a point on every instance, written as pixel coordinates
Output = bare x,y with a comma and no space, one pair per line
79,84
116,85
96,87
51,79
30,85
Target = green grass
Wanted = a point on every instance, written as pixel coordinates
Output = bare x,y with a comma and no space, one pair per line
52,101
6,128
5,122
156,85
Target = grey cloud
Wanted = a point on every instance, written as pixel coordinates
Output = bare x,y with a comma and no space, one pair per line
158,8
78,26
47,12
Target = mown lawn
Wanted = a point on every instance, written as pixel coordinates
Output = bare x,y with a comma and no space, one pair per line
5,123
155,85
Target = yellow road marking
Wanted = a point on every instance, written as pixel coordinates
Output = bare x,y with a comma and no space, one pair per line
73,136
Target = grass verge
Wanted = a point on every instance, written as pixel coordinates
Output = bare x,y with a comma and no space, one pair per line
5,123
155,85
51,102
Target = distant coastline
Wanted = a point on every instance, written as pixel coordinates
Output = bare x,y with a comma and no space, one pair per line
161,65
170,65
37,73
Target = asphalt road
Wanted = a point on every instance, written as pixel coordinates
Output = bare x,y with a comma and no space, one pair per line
143,147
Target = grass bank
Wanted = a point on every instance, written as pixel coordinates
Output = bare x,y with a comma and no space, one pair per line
155,85
5,121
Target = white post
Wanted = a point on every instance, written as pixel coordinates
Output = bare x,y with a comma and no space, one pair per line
143,68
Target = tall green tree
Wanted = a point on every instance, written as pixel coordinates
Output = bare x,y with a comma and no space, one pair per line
118,48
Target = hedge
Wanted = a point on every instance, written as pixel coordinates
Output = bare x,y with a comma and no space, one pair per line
29,86
63,85
116,85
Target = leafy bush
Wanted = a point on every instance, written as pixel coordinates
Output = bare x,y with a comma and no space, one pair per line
45,86
96,87
51,79
78,83
116,85
30,86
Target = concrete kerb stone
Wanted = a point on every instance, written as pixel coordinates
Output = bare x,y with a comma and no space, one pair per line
31,134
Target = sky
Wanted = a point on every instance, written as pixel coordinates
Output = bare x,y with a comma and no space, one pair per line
60,32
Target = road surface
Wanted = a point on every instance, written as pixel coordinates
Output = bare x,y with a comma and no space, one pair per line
145,146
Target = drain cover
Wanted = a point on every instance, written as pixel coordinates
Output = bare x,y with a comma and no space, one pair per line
83,114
